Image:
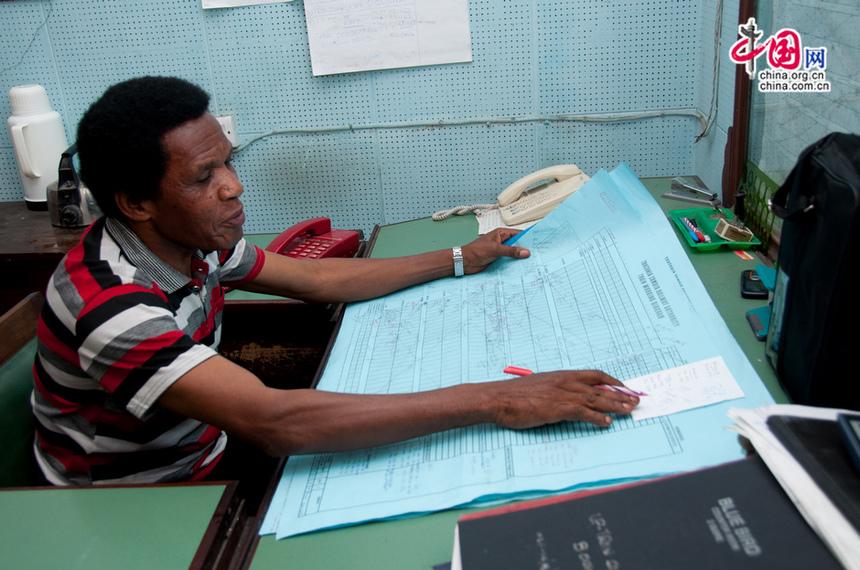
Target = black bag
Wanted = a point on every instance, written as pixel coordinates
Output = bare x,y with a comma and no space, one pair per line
816,305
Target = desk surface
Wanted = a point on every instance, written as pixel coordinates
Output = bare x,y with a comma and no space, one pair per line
422,542
30,248
29,234
116,527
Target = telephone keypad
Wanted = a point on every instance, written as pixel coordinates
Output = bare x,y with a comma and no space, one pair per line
526,202
312,248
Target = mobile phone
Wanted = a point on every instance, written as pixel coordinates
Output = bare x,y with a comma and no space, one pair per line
759,320
751,285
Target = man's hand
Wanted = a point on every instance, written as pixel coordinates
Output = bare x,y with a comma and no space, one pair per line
480,253
552,397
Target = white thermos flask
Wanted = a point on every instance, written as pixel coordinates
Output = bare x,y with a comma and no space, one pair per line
39,140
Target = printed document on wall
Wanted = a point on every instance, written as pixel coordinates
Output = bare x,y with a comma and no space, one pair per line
359,35
609,286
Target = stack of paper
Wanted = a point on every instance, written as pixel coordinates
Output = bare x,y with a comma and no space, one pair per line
832,523
607,286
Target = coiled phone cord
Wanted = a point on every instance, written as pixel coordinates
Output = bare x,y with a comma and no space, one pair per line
462,210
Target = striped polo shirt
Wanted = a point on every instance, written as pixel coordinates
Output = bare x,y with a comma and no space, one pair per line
119,326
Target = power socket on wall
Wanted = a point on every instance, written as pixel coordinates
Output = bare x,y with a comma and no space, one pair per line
228,125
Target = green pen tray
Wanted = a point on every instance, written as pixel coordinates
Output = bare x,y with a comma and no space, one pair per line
707,225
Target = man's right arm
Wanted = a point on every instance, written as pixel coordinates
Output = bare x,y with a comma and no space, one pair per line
339,279
289,422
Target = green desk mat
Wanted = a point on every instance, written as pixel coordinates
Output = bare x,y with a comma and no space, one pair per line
117,527
421,236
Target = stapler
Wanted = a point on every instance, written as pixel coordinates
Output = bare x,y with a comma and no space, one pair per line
687,192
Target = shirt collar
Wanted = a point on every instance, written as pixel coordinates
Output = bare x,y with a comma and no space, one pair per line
166,277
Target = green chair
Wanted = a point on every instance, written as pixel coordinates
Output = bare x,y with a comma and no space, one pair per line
17,350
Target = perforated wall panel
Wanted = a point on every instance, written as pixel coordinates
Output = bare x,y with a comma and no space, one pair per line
385,146
605,57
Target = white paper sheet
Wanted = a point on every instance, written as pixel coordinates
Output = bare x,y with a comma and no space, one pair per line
685,387
358,35
488,220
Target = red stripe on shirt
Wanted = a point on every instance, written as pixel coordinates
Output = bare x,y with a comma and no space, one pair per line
118,291
80,276
61,349
135,357
252,274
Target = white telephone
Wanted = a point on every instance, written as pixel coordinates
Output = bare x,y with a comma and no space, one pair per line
534,196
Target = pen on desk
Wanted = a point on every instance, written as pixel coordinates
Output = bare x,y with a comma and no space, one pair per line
694,231
623,389
691,229
702,235
517,370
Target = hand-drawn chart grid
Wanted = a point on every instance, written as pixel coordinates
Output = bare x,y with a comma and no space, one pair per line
575,312
484,454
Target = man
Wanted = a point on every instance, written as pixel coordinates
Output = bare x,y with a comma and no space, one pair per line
129,386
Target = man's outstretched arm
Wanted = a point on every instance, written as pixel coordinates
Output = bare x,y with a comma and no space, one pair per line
288,422
338,279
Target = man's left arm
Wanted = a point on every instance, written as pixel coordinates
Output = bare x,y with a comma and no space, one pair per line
347,279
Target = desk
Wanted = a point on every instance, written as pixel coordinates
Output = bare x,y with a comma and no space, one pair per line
421,542
111,527
30,248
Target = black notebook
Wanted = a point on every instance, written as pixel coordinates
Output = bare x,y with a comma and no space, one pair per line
817,445
734,515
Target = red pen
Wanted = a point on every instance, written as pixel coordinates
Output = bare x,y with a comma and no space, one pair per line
517,370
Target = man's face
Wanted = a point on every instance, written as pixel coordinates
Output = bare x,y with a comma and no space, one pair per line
198,205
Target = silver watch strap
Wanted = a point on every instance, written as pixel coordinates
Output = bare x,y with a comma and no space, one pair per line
458,261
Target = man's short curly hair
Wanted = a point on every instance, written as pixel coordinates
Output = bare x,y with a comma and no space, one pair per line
120,136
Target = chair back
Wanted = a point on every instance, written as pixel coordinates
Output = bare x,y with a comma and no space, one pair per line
17,425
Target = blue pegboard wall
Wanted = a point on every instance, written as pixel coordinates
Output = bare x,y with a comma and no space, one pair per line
385,146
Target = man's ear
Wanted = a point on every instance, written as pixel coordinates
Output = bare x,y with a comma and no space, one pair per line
133,210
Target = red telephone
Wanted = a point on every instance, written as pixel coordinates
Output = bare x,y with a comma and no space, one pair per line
313,239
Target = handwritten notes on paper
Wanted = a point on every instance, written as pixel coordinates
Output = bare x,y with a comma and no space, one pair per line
488,220
683,388
358,35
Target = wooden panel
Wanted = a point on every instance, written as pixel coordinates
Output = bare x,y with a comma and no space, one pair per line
18,325
281,342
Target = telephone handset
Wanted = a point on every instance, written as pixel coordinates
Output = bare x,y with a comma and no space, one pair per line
534,196
313,239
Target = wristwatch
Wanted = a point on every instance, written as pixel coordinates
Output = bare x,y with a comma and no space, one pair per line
458,261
